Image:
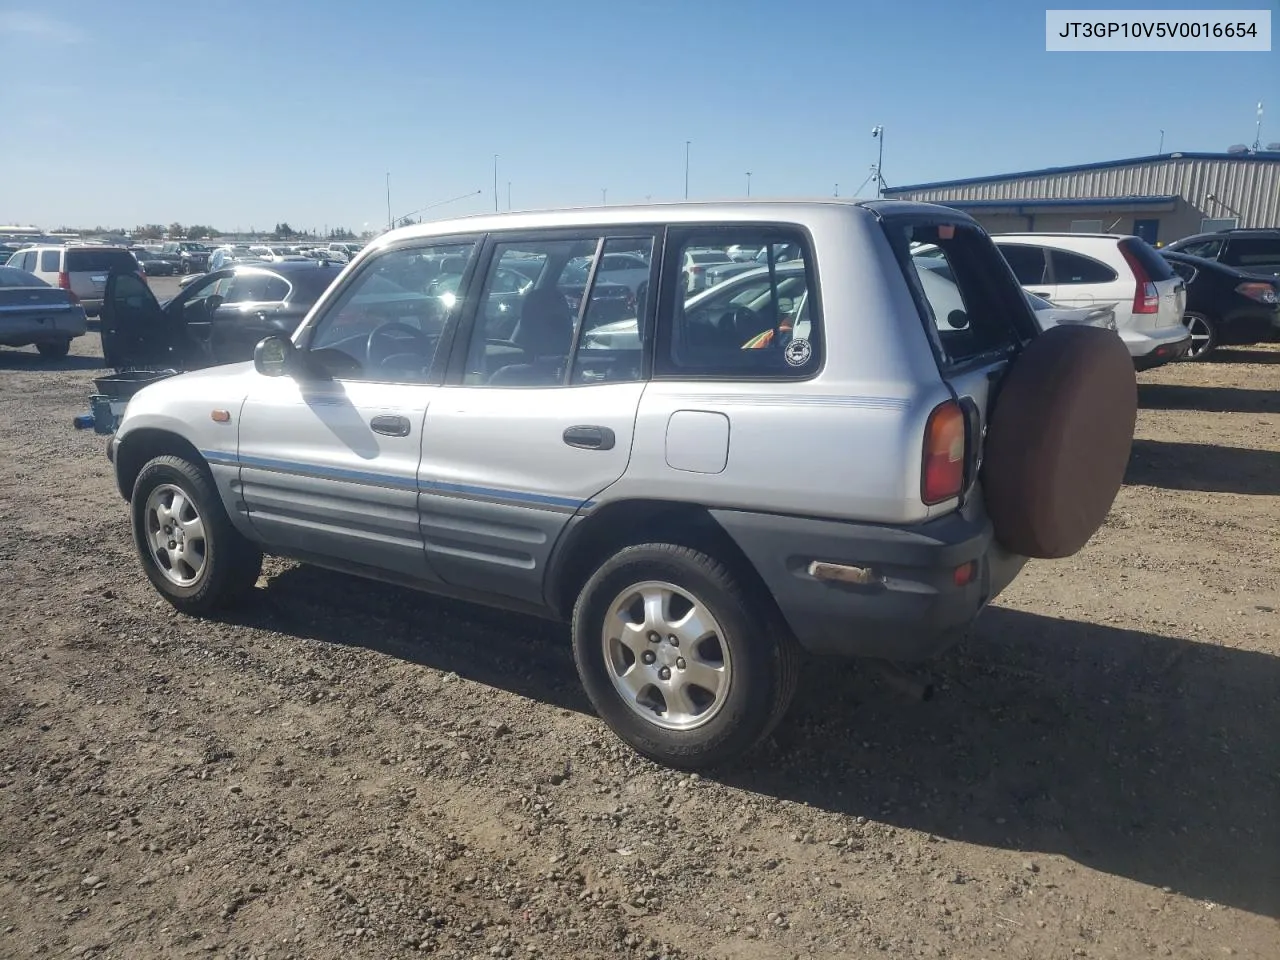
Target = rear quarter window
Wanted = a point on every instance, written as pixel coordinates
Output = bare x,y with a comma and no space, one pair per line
1076,268
49,260
100,261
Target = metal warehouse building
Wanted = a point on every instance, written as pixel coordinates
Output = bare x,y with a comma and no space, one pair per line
1159,198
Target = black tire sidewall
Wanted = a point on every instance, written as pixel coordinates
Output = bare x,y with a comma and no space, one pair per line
223,544
54,350
752,702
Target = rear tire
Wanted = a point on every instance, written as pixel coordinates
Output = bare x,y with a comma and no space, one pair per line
54,350
1204,336
188,547
704,700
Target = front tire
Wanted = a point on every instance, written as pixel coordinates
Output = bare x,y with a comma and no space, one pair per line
54,349
678,659
188,548
1204,336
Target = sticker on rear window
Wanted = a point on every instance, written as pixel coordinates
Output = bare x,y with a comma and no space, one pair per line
798,353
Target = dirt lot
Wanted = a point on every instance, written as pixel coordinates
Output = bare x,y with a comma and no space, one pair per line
351,770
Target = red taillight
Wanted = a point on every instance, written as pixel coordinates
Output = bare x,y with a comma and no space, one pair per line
696,271
1262,292
1146,299
64,281
942,470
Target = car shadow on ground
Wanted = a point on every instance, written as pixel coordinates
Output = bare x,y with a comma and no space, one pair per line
29,360
1169,396
1140,755
1196,466
1242,355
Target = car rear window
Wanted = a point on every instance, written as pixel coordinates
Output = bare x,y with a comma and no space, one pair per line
104,261
1252,252
1157,267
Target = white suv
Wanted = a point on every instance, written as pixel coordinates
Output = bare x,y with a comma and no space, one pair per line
839,460
83,270
1107,270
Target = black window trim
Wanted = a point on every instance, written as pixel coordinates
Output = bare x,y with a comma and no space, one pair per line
334,295
466,320
674,242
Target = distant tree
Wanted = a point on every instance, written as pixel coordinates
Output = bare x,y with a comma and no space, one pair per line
150,231
198,231
283,231
177,230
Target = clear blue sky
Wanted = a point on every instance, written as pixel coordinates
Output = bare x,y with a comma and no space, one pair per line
243,114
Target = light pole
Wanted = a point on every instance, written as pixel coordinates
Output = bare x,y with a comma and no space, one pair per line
748,183
508,196
495,183
686,168
837,193
390,222
604,196
1161,150
877,132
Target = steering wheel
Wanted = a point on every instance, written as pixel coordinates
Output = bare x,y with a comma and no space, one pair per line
392,339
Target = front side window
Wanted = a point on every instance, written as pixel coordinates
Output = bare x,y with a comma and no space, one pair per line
747,324
255,287
388,322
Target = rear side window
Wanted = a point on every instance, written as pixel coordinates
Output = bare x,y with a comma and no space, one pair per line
1075,268
962,287
1028,263
1252,252
1209,249
100,261
759,323
49,260
1157,267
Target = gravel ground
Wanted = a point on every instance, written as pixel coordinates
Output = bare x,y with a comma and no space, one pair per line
349,770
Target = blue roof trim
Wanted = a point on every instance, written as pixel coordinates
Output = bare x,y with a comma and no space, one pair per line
1058,202
1075,168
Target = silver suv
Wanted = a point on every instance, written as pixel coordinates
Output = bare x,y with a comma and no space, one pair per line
841,460
83,270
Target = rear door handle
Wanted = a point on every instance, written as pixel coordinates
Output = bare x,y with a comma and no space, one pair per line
590,437
390,426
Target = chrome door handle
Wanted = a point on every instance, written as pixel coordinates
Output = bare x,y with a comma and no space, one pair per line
390,426
590,437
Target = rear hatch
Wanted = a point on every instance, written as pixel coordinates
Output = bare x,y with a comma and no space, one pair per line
1160,297
88,269
977,319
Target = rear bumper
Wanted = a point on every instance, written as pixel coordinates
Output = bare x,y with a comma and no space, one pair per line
1153,348
913,609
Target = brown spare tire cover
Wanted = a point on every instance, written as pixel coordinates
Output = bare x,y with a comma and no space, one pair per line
1058,440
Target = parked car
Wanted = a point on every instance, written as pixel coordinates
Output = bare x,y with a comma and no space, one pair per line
720,272
35,312
628,269
193,257
695,264
1249,251
1225,306
217,319
702,511
1122,272
156,264
225,256
740,253
82,269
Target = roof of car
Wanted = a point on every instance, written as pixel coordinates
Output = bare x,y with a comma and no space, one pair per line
1232,232
1059,233
651,213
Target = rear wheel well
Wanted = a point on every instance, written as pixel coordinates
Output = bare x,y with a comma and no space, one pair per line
618,525
142,446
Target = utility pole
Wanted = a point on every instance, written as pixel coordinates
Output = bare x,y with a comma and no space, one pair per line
1257,131
877,132
508,196
1161,150
390,224
748,183
495,183
604,196
686,168
837,193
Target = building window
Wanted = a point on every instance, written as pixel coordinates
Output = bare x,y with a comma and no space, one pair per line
1214,224
1086,226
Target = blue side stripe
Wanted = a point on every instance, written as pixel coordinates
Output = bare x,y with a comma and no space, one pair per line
388,480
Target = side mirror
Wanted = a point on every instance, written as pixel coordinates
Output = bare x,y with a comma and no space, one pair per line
274,357
957,320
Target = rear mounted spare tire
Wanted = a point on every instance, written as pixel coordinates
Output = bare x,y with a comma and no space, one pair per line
1058,440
